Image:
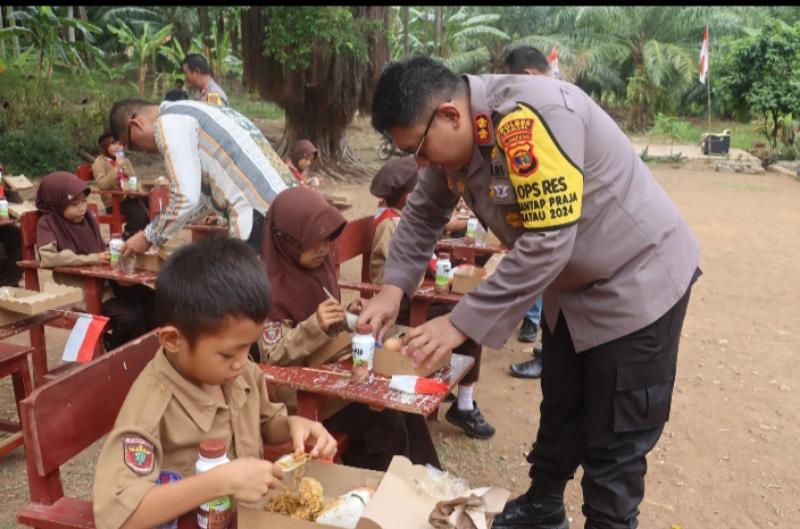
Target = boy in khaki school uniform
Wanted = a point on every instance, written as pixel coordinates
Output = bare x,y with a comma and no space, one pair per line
199,386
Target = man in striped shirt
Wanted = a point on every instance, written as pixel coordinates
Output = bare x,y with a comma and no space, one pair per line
216,161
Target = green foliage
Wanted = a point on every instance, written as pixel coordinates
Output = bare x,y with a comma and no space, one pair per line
761,75
254,107
293,33
36,150
671,127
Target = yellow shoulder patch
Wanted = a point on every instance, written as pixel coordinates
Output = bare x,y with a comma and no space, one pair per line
549,187
214,98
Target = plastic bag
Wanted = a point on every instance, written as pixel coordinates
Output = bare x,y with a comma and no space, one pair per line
441,485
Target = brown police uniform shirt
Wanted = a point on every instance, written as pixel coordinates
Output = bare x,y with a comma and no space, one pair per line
559,183
160,426
283,344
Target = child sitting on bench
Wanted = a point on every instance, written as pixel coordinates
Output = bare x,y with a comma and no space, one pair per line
393,183
67,235
200,385
299,232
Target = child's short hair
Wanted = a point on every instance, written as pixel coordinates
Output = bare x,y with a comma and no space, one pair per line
205,282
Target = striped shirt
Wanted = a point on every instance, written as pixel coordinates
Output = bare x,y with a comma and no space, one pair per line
216,161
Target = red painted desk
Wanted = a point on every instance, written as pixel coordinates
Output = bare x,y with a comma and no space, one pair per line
116,201
462,250
315,384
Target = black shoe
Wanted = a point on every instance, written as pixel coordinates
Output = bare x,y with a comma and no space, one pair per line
525,513
450,398
528,331
528,369
537,350
471,421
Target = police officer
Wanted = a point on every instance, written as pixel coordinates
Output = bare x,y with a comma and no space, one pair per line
589,228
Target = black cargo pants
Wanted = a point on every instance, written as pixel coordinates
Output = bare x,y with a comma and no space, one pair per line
605,409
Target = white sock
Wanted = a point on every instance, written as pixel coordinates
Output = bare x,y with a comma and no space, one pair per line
465,398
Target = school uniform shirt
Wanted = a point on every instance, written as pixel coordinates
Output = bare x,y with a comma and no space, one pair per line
387,221
217,161
105,175
214,94
160,426
560,184
285,344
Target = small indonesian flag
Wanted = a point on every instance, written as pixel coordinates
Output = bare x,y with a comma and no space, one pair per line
415,384
83,338
704,58
553,60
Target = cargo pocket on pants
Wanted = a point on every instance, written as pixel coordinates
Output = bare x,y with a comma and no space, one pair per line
643,394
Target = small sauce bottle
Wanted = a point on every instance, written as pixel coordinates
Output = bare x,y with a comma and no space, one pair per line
133,183
363,355
216,513
472,227
3,204
442,285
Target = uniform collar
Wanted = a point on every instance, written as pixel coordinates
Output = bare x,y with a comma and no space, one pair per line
200,407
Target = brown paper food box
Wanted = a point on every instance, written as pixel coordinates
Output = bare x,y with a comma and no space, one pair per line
17,183
18,210
386,362
397,503
27,303
467,279
149,261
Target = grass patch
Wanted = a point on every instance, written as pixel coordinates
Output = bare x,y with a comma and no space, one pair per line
743,135
253,106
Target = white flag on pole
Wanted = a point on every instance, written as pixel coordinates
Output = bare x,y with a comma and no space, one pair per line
704,58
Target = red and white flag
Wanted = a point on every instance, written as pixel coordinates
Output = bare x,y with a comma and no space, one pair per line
415,384
83,338
553,60
704,58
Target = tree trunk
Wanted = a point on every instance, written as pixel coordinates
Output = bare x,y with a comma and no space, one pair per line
378,49
234,25
437,31
2,42
142,78
205,31
15,39
319,111
406,15
70,29
218,51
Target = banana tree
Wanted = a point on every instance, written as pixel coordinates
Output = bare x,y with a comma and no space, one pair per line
142,48
41,26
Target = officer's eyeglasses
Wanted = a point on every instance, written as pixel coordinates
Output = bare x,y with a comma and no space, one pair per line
416,151
130,148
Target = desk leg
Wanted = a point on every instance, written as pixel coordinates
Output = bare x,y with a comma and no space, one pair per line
309,405
93,291
419,311
116,215
39,356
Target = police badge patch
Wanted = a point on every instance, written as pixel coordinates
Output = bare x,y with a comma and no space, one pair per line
272,332
501,191
139,454
483,136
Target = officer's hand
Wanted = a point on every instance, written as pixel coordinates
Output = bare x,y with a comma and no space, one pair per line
309,433
432,340
248,479
380,312
137,244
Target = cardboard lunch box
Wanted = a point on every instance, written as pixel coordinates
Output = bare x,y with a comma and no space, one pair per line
467,278
386,362
26,303
151,261
396,504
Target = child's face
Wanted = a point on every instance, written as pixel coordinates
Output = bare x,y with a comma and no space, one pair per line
306,161
215,359
314,256
76,210
114,148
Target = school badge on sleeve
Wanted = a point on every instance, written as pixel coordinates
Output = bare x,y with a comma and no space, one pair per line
272,332
139,454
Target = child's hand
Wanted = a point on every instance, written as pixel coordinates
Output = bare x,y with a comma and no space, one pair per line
105,257
356,305
329,312
249,479
307,433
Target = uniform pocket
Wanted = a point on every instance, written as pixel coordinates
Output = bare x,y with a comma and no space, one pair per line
643,394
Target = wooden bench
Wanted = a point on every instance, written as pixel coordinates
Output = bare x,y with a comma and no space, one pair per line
14,364
64,417
356,240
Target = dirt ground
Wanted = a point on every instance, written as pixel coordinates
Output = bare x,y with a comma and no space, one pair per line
729,455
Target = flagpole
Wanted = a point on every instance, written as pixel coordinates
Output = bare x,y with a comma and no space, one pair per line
708,83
